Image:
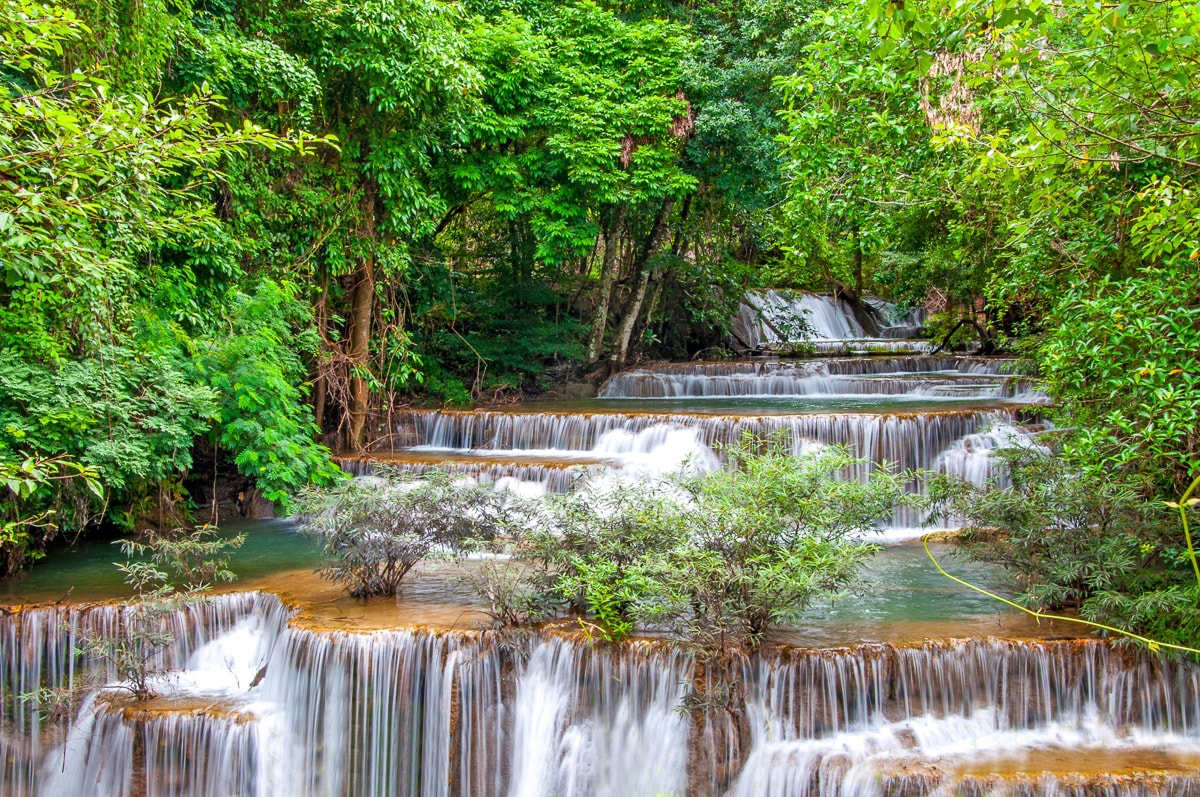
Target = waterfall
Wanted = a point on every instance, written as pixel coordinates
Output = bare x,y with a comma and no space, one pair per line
774,318
951,377
872,720
554,448
587,723
468,713
970,458
38,649
894,322
364,714
96,757
545,477
910,440
638,446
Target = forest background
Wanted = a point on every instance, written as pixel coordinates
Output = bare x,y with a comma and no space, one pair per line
234,234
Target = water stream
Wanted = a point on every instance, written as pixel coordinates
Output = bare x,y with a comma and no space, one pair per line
774,320
261,706
905,686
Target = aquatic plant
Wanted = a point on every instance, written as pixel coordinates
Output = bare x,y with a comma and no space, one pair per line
168,572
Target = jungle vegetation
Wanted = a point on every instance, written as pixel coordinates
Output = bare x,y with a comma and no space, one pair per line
234,232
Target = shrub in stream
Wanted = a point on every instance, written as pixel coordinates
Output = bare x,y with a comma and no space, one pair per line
578,552
168,573
375,530
1080,539
715,559
600,540
756,542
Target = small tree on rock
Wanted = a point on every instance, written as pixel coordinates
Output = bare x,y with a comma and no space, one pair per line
376,529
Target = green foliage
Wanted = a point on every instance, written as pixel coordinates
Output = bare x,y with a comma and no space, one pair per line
129,412
506,574
762,539
486,335
716,559
601,539
1081,146
855,141
1080,538
375,530
168,573
98,180
257,372
249,72
35,488
123,334
1125,358
578,138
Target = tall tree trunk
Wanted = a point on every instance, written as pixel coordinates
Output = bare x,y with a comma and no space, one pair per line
608,279
642,271
620,352
321,388
319,400
858,262
362,307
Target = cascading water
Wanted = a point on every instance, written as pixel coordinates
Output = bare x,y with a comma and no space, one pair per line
588,723
639,446
933,414
258,706
828,325
39,651
919,720
910,440
950,377
465,713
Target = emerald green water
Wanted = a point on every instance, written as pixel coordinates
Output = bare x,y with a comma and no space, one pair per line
769,405
85,571
898,594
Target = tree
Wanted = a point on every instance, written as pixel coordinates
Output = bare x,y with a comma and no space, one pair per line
168,572
374,531
573,159
1087,138
854,145
38,491
1073,126
395,82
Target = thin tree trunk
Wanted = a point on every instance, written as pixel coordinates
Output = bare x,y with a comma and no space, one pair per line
642,270
319,399
608,279
362,306
620,351
321,388
858,263
651,305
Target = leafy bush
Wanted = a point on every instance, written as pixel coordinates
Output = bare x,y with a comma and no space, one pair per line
515,587
1125,363
38,491
759,540
255,368
717,559
600,540
168,572
1077,538
123,336
376,529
